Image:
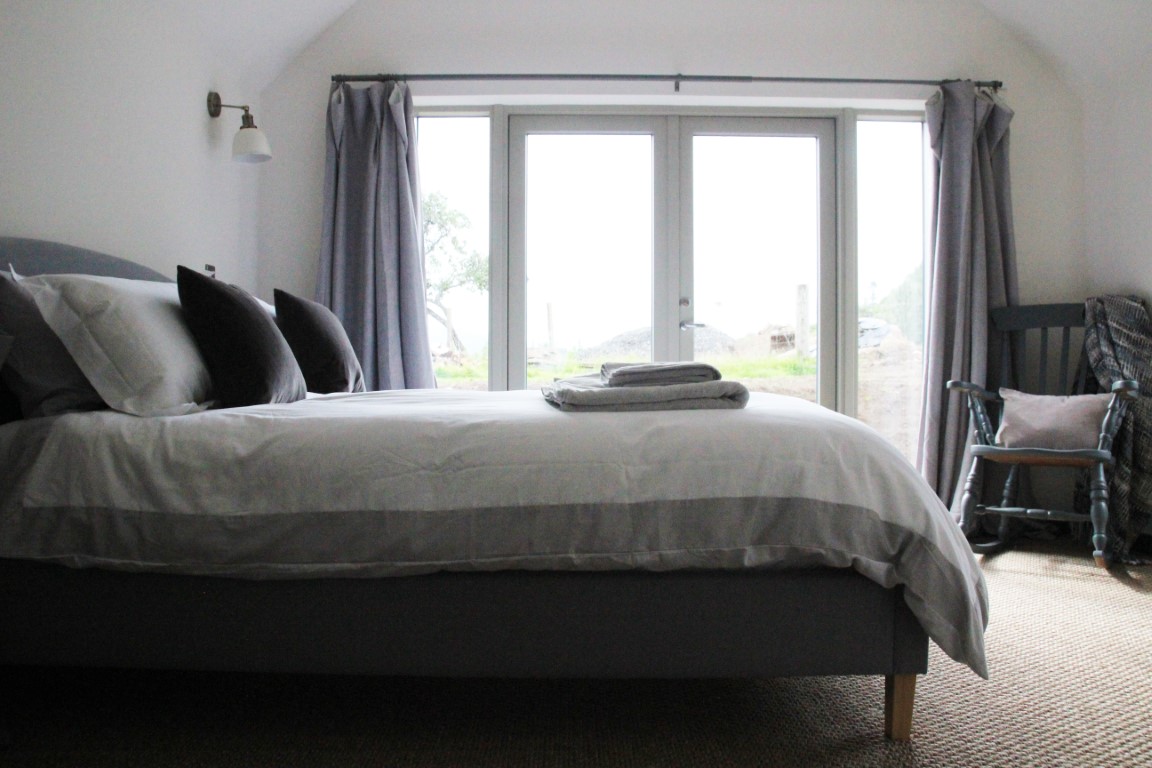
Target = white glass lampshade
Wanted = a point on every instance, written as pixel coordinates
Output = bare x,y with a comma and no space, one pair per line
251,146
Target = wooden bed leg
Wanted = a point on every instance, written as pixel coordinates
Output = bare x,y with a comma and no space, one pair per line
899,697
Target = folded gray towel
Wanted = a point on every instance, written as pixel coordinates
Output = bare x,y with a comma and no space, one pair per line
590,393
656,374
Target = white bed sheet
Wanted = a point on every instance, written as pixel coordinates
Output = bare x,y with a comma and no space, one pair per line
409,482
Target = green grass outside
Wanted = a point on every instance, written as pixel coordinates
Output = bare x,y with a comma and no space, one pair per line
469,371
474,371
764,367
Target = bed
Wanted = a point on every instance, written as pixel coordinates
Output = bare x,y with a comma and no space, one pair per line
474,534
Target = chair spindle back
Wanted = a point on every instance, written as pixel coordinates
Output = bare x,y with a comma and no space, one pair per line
1035,335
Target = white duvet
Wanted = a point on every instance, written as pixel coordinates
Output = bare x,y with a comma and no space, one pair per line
408,482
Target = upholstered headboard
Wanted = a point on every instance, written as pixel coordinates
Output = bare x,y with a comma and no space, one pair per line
39,257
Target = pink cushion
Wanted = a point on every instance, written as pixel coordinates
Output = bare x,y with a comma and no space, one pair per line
1051,421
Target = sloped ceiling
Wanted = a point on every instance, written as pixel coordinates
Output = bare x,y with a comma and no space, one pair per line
1094,44
258,38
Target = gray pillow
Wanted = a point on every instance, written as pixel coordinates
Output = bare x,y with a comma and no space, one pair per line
38,371
1051,421
129,338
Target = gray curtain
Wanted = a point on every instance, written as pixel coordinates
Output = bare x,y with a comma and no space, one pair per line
372,254
973,270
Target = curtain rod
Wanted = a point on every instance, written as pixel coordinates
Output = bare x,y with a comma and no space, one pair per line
675,79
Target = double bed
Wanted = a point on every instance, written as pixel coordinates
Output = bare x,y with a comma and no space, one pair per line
450,533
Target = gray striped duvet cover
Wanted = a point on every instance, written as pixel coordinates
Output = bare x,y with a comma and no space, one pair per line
411,482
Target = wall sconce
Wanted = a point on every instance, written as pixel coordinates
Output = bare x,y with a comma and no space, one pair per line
250,144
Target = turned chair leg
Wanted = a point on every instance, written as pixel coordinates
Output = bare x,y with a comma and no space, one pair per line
973,488
1005,531
969,520
1099,510
1011,487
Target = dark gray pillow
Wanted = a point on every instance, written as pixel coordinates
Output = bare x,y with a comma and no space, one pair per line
9,405
38,371
248,359
320,344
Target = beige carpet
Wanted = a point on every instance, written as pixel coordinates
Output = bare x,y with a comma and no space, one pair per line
1070,648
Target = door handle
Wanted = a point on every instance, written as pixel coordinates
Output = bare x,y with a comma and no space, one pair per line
690,326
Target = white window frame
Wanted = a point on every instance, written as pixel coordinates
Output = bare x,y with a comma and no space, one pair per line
838,275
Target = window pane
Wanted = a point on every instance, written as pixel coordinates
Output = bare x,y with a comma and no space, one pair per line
891,251
454,181
588,209
755,223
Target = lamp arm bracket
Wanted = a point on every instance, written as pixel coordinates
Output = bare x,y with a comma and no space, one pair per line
214,105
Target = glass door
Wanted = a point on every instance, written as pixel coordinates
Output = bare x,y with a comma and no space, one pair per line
589,252
636,238
758,287
583,239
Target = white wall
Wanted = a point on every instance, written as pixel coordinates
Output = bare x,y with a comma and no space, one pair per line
1118,128
105,140
136,168
830,38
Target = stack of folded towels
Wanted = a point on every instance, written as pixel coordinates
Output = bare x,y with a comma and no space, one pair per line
647,387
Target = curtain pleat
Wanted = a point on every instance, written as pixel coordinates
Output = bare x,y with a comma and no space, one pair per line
371,271
973,270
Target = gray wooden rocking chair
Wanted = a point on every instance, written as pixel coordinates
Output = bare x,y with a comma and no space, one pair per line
1017,327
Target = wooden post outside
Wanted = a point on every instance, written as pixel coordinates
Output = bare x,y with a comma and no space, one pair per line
551,335
801,337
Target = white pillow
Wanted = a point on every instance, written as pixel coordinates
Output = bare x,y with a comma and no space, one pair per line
129,338
1062,422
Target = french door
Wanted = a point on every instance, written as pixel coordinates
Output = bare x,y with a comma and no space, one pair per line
638,238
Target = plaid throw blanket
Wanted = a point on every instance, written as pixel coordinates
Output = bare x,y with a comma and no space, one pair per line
1118,345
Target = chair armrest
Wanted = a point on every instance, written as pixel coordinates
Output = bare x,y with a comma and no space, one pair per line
1129,389
983,430
974,389
1123,392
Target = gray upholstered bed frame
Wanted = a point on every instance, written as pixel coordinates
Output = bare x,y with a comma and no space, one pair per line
816,621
